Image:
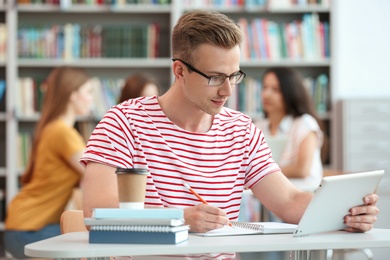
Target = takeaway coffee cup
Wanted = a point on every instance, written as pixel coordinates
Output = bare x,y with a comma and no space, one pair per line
131,187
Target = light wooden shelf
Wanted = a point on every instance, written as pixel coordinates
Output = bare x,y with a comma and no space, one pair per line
98,63
285,63
81,8
271,10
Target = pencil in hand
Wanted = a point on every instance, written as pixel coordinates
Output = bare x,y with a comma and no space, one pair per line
199,197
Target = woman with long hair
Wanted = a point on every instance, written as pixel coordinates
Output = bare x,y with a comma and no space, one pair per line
289,112
53,169
138,85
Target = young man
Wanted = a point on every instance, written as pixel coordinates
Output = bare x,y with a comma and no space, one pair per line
187,135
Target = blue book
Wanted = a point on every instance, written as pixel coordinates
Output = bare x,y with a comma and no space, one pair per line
138,234
2,89
327,39
138,213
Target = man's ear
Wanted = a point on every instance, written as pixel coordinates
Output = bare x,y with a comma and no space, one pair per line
178,70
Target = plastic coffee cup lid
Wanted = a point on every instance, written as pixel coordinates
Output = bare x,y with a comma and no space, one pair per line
131,170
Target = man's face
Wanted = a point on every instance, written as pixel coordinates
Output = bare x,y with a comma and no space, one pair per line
212,61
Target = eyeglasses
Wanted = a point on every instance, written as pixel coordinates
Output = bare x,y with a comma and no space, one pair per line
234,79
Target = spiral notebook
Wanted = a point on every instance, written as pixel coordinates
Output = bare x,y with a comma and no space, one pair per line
135,234
139,228
251,228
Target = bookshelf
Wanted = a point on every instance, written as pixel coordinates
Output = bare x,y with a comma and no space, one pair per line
36,65
38,15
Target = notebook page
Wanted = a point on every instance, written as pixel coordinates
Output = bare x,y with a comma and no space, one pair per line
250,228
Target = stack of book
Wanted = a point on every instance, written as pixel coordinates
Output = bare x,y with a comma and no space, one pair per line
137,226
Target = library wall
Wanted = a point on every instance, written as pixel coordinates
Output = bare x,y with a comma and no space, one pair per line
360,45
361,56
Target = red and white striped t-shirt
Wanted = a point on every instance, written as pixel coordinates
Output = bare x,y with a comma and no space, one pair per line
217,164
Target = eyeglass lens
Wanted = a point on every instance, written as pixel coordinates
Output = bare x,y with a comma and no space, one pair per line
233,79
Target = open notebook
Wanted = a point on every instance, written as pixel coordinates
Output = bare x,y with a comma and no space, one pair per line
250,228
332,201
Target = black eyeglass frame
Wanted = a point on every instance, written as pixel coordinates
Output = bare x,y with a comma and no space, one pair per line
240,72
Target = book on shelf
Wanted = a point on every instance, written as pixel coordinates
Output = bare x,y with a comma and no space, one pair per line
72,41
129,234
29,95
304,38
146,213
24,140
2,94
173,222
251,228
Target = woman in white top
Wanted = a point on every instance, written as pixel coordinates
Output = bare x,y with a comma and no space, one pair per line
290,114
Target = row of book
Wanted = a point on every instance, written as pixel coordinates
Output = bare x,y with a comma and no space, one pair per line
318,89
73,41
94,2
306,39
30,95
247,96
137,226
107,96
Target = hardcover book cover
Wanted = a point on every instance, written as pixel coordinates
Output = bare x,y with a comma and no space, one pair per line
138,234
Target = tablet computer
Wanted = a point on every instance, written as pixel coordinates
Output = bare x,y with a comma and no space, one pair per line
333,199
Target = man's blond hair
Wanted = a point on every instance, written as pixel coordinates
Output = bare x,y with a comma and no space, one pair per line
201,26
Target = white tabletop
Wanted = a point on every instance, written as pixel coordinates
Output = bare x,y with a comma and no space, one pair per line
75,245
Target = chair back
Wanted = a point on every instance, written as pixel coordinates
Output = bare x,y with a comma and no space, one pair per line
72,221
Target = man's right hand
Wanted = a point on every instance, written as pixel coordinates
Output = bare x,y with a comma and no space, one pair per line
203,218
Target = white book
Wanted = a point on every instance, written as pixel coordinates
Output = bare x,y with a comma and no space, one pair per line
134,221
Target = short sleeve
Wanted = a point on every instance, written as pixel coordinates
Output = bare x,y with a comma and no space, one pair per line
305,125
63,140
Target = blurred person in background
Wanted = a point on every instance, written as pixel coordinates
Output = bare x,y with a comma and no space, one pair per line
138,85
53,170
289,112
